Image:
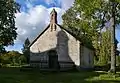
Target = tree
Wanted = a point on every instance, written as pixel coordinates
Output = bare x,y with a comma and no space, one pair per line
25,49
105,48
72,22
104,57
13,58
113,49
22,60
8,8
92,16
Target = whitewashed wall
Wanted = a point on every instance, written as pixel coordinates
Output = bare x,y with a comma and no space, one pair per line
67,47
87,57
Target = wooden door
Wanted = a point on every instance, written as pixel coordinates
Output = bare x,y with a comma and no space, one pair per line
53,59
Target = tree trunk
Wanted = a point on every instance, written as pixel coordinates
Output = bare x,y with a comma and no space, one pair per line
113,56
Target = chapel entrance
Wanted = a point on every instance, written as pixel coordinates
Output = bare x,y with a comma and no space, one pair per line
53,59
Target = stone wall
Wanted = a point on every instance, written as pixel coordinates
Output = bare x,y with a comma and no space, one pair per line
67,46
87,57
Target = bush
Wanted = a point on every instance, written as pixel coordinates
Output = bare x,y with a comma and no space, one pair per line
13,58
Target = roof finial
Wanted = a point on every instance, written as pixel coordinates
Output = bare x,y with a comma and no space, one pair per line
53,16
53,20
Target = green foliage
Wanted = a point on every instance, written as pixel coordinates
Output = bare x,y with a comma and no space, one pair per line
8,8
88,18
22,59
80,28
105,51
118,60
99,10
25,49
13,58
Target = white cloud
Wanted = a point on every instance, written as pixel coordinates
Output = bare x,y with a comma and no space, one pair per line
66,4
31,23
49,1
29,4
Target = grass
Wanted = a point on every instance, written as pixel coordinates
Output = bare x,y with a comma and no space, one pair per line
14,75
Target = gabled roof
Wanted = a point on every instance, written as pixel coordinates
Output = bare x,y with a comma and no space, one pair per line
39,35
69,32
46,29
77,38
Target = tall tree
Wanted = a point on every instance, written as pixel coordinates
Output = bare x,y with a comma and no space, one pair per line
25,49
93,15
105,50
113,49
8,8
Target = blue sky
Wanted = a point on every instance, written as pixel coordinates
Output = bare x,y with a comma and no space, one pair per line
118,34
34,16
46,3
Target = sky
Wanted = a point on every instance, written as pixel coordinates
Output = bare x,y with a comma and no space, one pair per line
35,16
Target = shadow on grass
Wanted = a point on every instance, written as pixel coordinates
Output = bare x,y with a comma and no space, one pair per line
14,75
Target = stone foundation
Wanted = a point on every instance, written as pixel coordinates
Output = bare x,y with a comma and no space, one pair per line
45,65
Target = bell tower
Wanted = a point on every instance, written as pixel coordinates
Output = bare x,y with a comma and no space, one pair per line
53,20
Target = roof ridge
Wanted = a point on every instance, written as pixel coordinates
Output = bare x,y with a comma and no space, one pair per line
39,35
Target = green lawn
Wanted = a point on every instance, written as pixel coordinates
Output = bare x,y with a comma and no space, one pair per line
14,75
